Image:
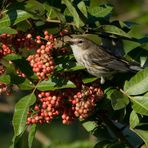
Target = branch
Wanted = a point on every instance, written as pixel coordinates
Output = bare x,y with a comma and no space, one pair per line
42,138
117,131
6,108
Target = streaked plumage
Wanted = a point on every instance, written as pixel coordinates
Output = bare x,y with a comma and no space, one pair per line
98,61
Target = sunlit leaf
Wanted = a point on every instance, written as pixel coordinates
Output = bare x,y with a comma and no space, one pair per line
12,56
89,79
114,30
140,104
129,45
142,131
5,79
137,84
72,11
118,100
100,11
26,85
134,119
20,114
89,126
7,30
55,83
32,131
13,17
82,7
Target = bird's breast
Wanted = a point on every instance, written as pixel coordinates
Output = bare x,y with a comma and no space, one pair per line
79,54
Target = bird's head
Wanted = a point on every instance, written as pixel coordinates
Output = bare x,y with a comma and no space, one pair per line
80,42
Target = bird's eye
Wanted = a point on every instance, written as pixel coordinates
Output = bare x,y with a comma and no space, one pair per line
80,42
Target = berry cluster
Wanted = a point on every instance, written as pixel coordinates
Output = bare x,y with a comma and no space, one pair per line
3,86
20,74
85,101
42,61
69,104
49,105
2,69
5,49
18,41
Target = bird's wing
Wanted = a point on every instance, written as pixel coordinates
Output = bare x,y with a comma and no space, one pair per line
106,60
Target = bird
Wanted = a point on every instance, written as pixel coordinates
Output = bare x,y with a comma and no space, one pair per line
98,61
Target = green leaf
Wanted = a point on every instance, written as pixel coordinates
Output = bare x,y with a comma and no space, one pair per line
135,32
138,84
26,85
134,119
118,100
129,45
55,83
143,133
7,30
140,104
24,67
103,144
72,11
67,63
32,131
88,80
89,126
100,11
13,17
114,30
82,7
35,7
12,56
54,13
20,114
5,79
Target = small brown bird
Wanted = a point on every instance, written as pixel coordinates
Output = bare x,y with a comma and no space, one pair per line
98,61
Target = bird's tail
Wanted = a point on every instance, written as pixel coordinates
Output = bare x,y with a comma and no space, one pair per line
135,67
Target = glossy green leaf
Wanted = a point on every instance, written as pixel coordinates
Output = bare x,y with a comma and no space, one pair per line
100,11
82,7
5,79
134,119
55,83
12,56
138,84
140,104
35,7
129,45
26,85
89,126
114,30
32,131
72,11
142,131
14,17
7,30
135,32
145,46
118,100
54,13
89,79
20,114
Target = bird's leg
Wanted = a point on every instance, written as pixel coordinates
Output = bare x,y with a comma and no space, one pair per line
102,81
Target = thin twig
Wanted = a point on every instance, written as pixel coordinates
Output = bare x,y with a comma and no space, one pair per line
6,108
42,138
